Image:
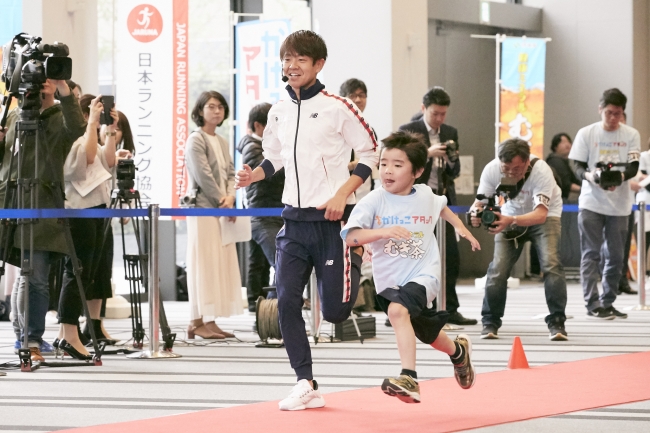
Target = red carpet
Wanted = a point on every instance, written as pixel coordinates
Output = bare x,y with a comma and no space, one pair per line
496,398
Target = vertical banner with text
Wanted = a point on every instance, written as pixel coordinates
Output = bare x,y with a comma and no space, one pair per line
523,62
259,71
144,37
180,110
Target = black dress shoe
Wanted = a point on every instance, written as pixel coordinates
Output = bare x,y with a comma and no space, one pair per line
624,287
387,322
456,318
71,351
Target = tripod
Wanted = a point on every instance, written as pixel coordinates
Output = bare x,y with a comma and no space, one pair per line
16,193
136,265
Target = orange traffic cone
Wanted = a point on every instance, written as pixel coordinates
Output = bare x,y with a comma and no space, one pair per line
517,356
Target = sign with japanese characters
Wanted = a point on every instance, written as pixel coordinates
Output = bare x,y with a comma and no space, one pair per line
523,62
259,70
151,82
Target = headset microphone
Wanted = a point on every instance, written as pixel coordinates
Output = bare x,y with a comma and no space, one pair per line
285,78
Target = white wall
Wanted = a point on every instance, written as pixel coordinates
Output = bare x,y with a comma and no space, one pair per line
410,58
358,38
591,51
72,22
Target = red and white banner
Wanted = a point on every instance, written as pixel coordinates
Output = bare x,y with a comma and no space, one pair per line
152,59
180,122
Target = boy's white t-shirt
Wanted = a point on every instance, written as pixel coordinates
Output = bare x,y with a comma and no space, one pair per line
397,262
592,145
539,189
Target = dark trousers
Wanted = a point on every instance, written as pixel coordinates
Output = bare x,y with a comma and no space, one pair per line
261,255
301,247
87,236
452,269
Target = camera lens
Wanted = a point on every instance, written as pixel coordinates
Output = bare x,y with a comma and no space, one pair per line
488,217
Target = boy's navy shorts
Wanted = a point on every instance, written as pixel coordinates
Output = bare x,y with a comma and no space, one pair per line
427,322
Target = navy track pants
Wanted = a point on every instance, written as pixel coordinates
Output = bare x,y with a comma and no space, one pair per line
301,246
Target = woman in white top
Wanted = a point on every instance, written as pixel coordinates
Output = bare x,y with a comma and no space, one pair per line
87,173
213,279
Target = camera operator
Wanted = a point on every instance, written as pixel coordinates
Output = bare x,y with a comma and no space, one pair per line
87,172
443,166
605,155
62,124
531,213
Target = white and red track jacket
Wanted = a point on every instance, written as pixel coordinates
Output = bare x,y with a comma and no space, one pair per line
312,139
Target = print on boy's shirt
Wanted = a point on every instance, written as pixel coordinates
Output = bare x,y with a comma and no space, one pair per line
415,219
405,249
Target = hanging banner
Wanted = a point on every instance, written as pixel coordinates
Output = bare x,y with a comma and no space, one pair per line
259,70
523,62
180,125
151,86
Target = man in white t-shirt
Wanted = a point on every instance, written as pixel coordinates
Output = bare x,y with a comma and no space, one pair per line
605,155
531,213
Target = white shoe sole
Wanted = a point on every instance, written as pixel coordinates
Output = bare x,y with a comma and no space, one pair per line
489,336
558,337
314,403
600,318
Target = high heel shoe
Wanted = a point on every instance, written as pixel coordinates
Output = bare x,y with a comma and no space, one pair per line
57,351
97,327
203,332
212,326
67,348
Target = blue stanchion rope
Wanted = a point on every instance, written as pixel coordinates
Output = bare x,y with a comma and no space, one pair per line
173,212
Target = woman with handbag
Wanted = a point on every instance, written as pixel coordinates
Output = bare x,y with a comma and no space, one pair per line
213,279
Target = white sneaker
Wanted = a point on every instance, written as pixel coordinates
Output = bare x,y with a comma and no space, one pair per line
303,397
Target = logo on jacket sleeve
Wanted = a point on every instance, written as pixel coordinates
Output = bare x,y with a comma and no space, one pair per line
313,115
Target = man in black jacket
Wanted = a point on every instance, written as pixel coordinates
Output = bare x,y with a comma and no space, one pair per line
439,174
266,193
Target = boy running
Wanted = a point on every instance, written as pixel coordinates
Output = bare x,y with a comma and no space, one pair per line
397,221
312,135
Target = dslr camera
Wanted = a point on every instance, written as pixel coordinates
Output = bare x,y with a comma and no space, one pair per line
452,150
487,214
607,177
27,63
508,189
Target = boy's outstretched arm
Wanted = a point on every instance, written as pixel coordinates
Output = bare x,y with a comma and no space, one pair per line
453,219
358,236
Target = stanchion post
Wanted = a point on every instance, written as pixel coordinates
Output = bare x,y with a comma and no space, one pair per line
641,255
442,246
154,293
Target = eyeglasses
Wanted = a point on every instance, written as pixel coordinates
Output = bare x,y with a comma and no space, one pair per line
358,95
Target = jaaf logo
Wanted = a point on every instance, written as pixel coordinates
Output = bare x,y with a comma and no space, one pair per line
144,23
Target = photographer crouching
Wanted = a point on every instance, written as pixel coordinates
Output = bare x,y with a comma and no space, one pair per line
532,211
62,124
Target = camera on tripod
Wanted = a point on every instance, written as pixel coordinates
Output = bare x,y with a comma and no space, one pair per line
451,150
607,177
27,64
125,174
